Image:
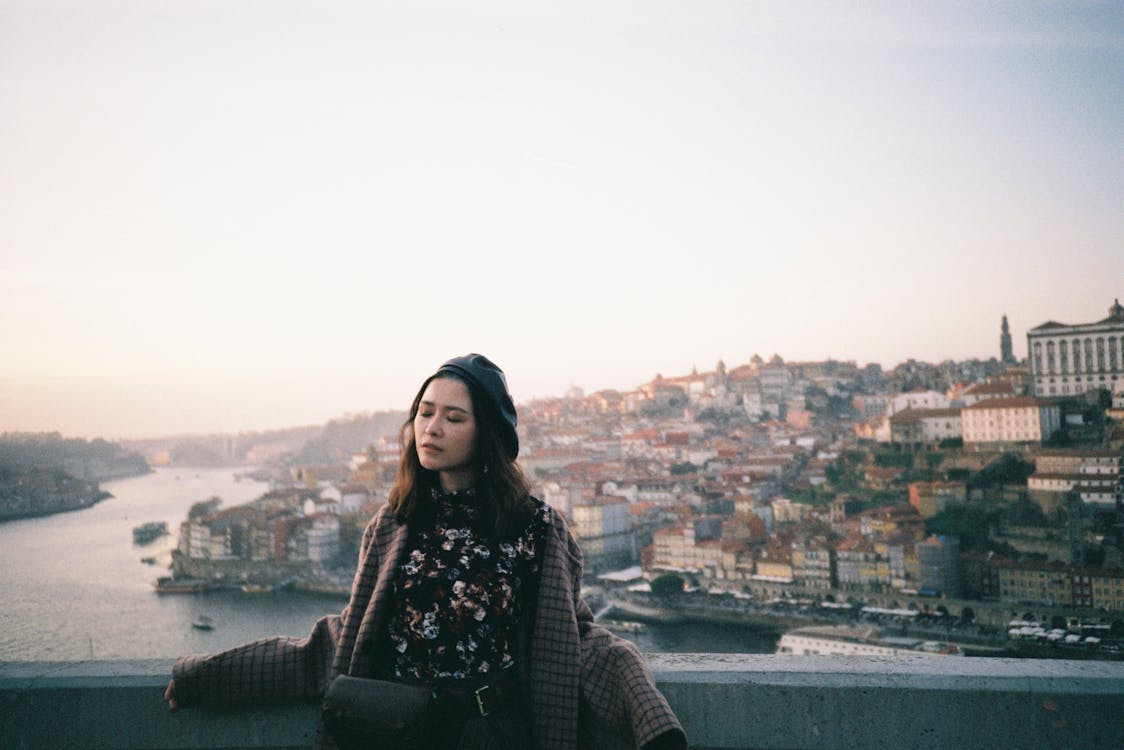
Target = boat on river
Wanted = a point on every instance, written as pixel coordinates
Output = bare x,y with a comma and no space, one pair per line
172,585
842,640
623,626
150,531
202,622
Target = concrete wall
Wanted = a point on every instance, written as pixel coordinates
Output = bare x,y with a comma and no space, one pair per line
724,701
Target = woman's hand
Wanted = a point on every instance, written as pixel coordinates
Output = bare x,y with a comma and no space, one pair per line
170,696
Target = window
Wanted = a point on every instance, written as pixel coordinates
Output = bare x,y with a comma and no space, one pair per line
1063,356
1077,355
1038,356
1100,354
1050,356
1088,355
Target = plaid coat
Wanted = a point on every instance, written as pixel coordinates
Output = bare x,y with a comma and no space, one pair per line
565,661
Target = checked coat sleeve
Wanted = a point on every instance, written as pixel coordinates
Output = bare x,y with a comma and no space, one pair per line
279,668
578,665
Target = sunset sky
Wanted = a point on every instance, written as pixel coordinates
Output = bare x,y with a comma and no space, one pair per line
233,215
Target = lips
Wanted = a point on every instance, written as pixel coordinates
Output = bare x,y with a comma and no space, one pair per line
430,448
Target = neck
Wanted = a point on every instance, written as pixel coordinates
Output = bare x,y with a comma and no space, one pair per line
455,481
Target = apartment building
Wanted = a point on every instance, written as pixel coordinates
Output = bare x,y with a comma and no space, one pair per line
1097,476
938,559
1006,421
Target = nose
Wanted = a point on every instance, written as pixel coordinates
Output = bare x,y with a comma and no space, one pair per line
432,426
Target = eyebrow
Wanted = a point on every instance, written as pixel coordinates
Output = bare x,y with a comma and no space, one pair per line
449,406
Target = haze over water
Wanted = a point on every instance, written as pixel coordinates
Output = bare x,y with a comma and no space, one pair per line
74,587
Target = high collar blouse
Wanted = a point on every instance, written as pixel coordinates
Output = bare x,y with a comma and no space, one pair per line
458,594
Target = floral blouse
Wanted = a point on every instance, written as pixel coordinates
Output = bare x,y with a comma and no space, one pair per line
457,593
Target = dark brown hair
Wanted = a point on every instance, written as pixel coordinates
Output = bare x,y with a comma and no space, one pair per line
500,483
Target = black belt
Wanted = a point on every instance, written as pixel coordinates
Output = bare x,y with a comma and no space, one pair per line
482,697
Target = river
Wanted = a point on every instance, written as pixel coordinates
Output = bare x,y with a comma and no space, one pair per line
73,585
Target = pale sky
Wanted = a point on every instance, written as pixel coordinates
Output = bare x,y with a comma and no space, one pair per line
233,215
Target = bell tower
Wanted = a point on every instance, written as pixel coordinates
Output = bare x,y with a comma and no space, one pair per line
1006,353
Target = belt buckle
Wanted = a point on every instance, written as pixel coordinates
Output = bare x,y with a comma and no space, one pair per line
479,693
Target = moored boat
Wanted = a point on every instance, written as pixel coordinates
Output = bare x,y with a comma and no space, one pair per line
841,640
623,626
172,585
150,531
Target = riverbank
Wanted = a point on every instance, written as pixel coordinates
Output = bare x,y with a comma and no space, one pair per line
35,494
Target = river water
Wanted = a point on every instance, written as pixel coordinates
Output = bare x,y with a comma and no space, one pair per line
72,585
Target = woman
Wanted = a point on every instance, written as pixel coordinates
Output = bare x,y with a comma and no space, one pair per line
467,585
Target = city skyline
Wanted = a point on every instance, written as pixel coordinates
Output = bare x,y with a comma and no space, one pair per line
229,217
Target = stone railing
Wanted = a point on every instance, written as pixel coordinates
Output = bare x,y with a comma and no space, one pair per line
723,700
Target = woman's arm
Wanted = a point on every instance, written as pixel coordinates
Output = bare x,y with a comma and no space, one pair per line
268,670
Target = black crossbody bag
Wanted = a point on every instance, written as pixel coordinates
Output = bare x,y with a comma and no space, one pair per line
376,714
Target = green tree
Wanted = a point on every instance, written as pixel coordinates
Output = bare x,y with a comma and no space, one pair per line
204,508
971,523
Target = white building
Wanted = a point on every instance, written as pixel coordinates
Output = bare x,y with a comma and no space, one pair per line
1097,476
1010,420
323,538
603,516
918,400
922,426
604,527
1071,359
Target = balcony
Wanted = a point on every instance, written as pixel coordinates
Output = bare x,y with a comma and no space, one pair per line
724,700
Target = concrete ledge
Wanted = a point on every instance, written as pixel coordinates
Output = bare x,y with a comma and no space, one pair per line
724,700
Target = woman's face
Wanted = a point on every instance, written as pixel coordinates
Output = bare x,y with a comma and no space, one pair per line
445,433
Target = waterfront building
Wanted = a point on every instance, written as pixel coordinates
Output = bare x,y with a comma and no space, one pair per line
1097,587
602,516
676,547
813,564
323,538
999,422
938,559
1068,360
774,564
1047,583
979,575
860,567
905,568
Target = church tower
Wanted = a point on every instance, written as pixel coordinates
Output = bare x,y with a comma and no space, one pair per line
1006,353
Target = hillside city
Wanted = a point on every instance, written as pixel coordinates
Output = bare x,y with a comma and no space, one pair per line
996,481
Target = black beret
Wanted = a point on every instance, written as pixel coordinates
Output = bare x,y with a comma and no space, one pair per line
490,381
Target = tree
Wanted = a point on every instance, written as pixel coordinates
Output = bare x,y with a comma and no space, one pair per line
971,523
204,508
